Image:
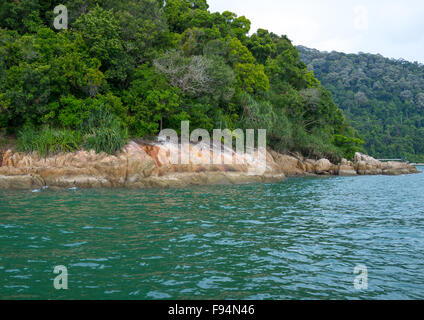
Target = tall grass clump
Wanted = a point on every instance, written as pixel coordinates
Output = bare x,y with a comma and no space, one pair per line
104,132
100,131
106,139
47,141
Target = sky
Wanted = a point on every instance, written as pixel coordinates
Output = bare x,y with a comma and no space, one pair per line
394,29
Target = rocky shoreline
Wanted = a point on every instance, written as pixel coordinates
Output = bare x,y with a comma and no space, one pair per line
147,165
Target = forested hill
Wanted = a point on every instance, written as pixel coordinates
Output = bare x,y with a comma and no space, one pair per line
128,68
383,98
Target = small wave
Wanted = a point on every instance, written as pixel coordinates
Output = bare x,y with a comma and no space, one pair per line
76,244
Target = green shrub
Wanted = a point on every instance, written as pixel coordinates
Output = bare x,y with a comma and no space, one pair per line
349,146
74,113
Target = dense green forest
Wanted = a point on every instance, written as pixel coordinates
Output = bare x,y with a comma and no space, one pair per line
383,99
126,69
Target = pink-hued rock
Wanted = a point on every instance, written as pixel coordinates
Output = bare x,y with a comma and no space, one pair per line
323,166
366,165
398,168
288,165
137,165
346,169
151,165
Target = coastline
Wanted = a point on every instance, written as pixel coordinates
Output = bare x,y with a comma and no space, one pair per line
148,165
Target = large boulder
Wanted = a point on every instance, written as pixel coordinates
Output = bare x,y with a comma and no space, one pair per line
288,165
310,165
139,164
323,166
398,168
366,165
346,169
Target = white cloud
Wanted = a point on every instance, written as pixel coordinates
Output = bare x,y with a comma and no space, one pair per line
391,28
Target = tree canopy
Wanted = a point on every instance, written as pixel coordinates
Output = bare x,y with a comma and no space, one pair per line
143,65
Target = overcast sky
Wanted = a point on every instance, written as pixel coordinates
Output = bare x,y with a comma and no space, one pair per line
393,28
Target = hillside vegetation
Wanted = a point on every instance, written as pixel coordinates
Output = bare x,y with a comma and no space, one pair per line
127,69
383,98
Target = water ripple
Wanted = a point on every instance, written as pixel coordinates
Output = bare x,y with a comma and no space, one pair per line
299,239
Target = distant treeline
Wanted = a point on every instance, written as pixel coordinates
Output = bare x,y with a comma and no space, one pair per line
383,99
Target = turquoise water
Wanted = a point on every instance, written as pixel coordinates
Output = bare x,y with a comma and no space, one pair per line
299,239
